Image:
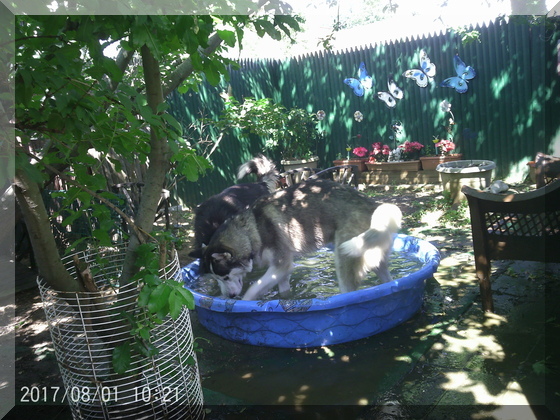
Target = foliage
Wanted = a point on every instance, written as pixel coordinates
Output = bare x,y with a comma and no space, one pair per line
82,113
468,35
292,133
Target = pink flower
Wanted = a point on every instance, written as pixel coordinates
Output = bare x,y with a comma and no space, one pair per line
360,151
411,146
379,152
446,145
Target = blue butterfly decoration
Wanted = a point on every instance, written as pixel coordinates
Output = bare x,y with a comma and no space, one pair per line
426,71
395,92
364,81
464,73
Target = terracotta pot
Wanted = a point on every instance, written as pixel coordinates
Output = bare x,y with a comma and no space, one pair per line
429,163
406,166
359,162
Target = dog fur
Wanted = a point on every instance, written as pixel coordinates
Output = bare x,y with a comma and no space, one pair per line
210,214
298,220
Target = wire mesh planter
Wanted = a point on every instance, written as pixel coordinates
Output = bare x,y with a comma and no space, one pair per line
85,328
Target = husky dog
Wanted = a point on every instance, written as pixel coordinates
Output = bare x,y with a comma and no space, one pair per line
209,215
301,219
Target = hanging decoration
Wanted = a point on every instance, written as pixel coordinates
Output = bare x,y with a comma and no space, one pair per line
464,73
364,81
390,98
425,73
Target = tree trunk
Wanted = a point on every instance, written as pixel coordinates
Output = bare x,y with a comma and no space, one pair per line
38,225
158,165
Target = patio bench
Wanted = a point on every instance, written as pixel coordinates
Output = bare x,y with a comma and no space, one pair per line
522,226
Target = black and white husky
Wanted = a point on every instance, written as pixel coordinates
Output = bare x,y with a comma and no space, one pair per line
297,220
210,215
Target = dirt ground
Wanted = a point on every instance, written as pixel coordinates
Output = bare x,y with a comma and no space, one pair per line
35,361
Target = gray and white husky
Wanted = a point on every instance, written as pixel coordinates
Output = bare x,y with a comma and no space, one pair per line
298,220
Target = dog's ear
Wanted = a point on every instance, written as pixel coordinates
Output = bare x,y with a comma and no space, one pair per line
221,256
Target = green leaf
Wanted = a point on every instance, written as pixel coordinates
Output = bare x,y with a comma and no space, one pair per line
228,37
144,296
159,298
187,296
55,122
144,333
121,358
102,236
175,304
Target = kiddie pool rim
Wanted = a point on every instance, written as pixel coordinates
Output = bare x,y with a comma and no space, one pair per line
423,250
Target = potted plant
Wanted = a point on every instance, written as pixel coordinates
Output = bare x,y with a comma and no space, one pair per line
446,146
429,163
404,158
290,134
298,143
354,156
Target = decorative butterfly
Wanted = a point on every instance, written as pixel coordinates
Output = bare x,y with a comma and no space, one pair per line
426,71
464,73
364,81
395,92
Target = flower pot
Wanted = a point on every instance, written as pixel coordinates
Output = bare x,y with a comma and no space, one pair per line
300,163
85,327
474,173
429,163
359,162
401,166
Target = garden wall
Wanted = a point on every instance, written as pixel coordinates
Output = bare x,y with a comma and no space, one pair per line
507,115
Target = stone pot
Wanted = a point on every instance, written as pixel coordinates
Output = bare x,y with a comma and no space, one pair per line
474,173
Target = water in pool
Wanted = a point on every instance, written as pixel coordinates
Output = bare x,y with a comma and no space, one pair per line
314,276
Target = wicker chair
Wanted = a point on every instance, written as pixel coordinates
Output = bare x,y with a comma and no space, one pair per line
513,227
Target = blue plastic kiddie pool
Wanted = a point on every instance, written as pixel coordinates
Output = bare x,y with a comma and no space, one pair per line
318,322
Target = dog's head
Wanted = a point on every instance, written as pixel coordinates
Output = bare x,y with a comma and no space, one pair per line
228,270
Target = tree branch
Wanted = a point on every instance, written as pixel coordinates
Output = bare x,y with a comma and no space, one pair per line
139,232
185,69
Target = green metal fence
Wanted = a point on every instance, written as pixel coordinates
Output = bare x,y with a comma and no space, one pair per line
509,112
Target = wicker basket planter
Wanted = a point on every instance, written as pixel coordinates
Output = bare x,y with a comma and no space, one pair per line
85,327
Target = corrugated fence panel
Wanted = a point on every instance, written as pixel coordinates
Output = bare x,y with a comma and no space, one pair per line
501,117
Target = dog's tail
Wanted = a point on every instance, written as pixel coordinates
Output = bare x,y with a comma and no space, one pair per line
263,168
385,221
